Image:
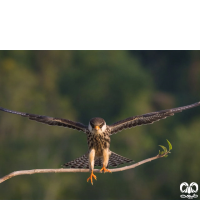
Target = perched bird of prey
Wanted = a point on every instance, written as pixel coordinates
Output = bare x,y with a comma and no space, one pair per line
98,136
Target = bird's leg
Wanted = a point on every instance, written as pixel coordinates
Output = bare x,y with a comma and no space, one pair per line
105,170
106,154
91,165
92,175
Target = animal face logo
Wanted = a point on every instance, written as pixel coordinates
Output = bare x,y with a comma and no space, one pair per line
189,189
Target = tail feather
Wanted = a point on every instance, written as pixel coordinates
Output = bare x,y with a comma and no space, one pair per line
98,162
116,160
83,162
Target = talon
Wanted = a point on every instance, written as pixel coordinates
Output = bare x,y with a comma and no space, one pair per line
92,175
105,170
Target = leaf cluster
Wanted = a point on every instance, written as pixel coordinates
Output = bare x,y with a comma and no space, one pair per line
165,151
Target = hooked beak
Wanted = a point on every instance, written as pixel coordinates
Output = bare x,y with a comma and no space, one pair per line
96,128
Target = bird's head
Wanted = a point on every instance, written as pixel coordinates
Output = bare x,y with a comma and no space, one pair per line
97,125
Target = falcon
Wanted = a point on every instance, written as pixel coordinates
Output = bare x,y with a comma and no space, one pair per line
98,136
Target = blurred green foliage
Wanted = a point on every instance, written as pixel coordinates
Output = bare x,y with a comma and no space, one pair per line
79,85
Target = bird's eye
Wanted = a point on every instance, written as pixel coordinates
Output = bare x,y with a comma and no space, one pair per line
101,126
92,125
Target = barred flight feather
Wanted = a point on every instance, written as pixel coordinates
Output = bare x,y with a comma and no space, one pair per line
82,162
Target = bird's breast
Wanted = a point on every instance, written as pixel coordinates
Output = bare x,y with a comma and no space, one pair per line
98,142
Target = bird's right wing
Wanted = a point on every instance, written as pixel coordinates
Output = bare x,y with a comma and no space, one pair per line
148,118
51,120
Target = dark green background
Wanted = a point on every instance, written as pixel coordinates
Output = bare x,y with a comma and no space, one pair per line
79,85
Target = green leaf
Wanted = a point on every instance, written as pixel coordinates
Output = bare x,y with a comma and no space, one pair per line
162,152
164,148
165,156
170,145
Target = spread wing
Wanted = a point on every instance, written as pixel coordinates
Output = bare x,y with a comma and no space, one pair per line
51,120
148,118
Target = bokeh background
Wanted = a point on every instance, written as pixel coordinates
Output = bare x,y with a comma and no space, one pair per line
114,85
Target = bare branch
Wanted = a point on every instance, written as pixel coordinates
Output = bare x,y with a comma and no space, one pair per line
63,170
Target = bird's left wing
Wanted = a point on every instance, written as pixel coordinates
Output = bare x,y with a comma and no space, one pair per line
148,118
51,120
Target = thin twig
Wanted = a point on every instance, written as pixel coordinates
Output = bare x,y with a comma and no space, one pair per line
63,170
